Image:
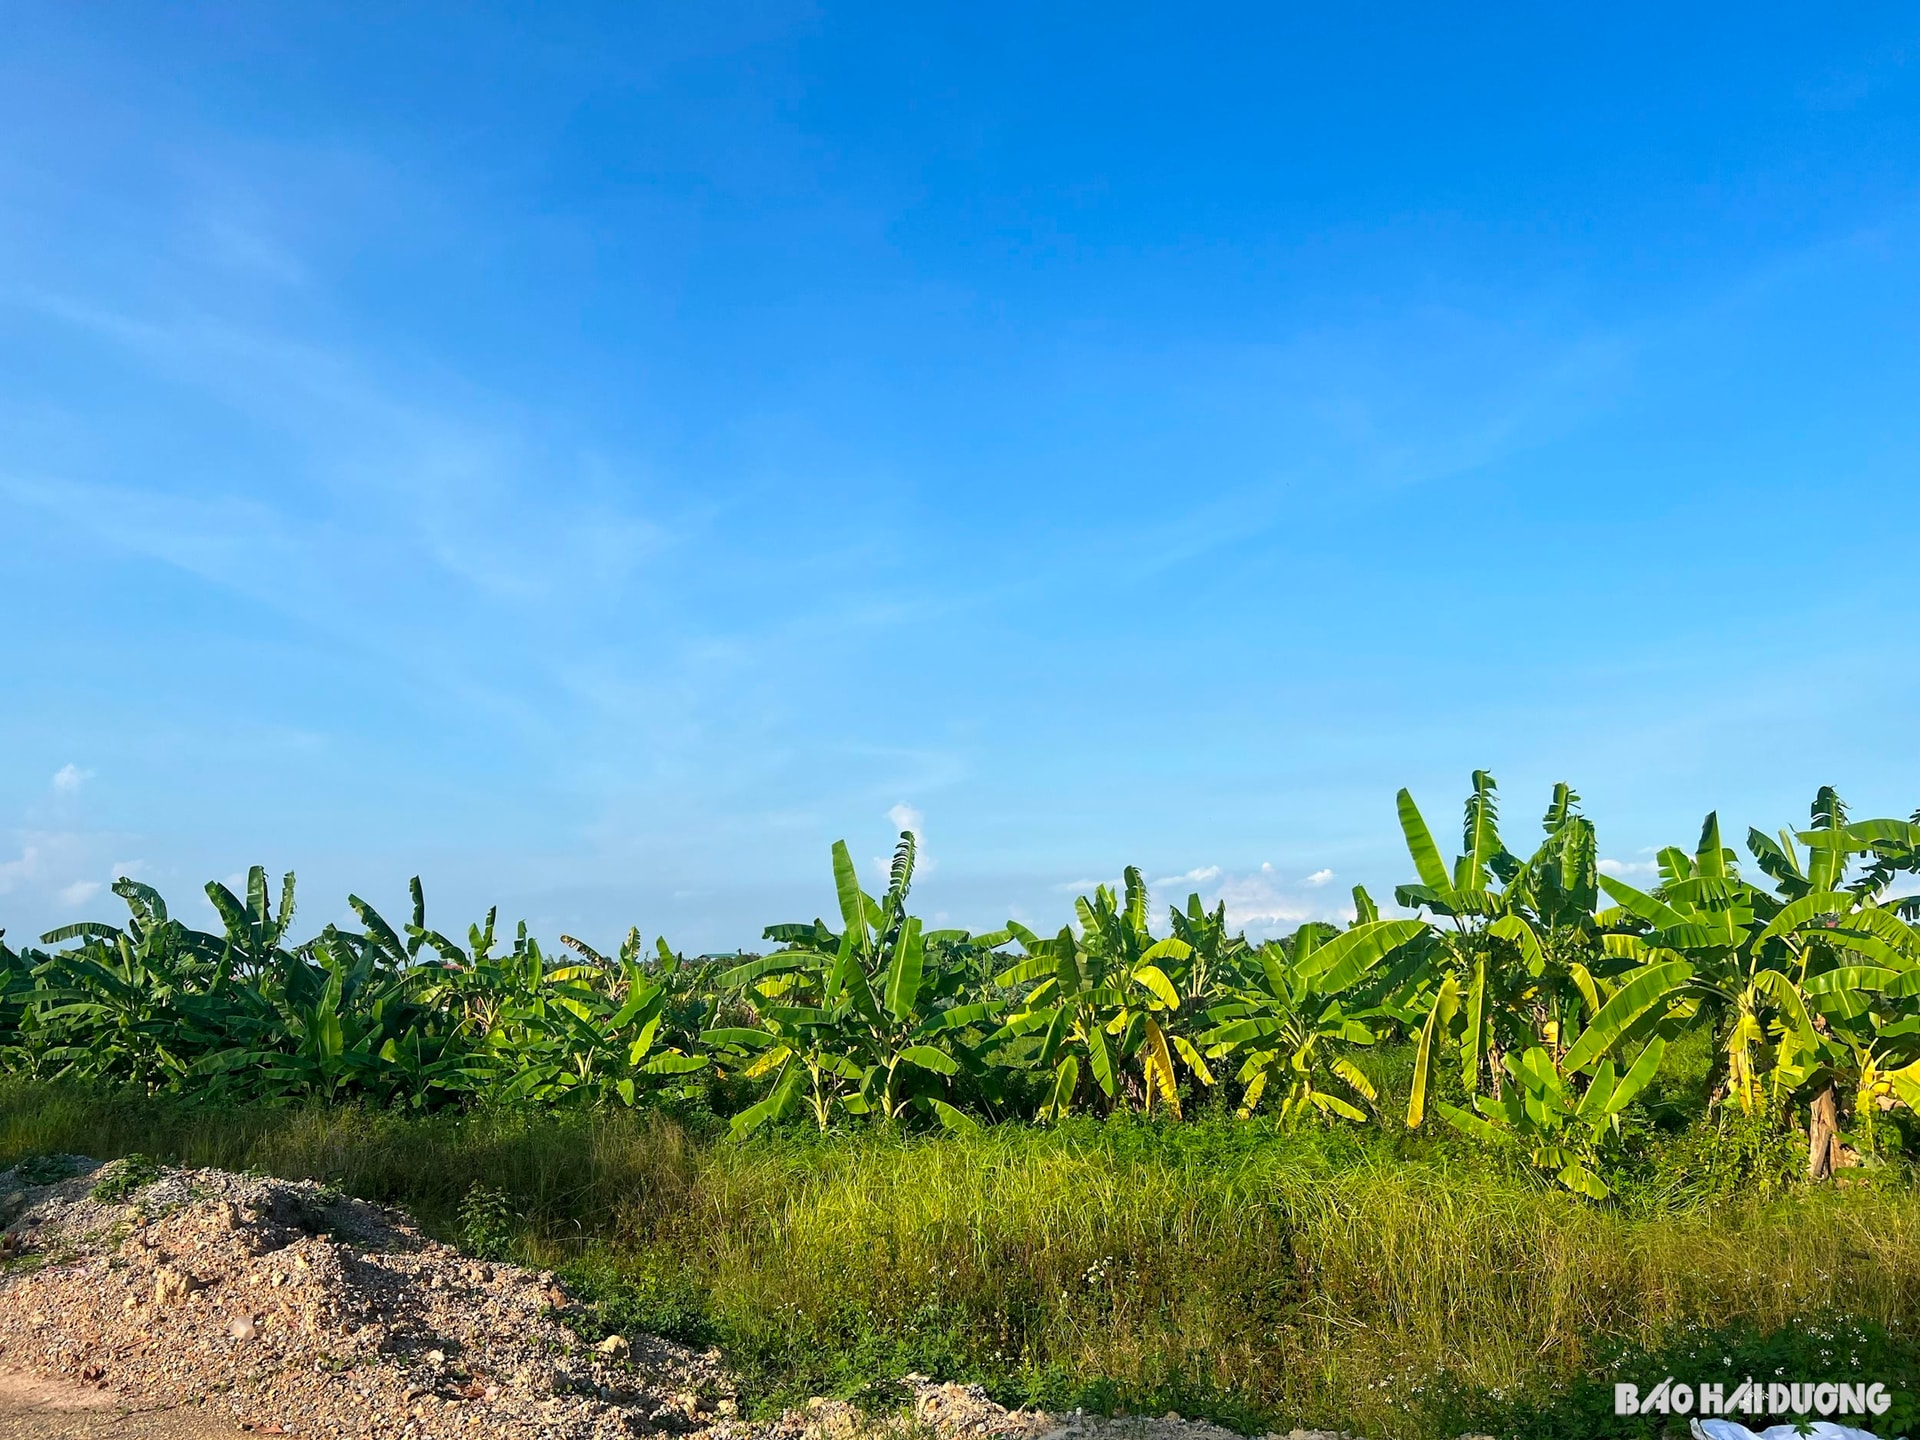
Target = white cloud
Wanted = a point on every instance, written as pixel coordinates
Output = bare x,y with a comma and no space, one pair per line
903,817
1260,901
44,855
16,872
69,778
1624,868
79,892
1264,904
1255,903
1204,875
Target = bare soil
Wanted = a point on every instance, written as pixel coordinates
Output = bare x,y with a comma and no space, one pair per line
33,1407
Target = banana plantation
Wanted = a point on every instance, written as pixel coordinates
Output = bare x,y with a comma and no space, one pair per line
1518,997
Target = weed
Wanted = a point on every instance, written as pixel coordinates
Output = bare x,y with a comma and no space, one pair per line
637,1296
488,1222
124,1177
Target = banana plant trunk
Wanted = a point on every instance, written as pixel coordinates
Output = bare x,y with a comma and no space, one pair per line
1823,1134
1719,1072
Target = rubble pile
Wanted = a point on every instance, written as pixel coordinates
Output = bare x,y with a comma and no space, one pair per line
297,1310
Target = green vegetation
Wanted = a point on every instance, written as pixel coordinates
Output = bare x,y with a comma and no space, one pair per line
125,1177
1412,1176
33,1169
1256,1272
1539,1020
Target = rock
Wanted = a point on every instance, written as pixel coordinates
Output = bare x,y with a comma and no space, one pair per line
244,1327
170,1283
613,1345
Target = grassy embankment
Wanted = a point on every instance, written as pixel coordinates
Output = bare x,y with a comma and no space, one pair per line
1264,1278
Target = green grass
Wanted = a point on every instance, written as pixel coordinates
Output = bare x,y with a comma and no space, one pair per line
1351,1279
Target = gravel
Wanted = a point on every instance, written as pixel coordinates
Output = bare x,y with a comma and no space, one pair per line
297,1311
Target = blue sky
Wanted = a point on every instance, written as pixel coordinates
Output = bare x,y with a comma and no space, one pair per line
594,457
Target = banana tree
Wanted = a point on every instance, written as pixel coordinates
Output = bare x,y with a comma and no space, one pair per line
145,1001
1549,922
1567,1122
16,985
110,1010
1756,961
1289,1032
1695,935
1217,958
1895,847
1851,957
577,1032
1869,1040
1514,940
254,930
871,1020
1102,999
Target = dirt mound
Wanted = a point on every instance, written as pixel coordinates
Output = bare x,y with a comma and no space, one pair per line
297,1311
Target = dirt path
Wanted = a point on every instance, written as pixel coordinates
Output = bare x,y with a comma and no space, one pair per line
34,1408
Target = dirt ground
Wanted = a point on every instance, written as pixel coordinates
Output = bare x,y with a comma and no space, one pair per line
35,1408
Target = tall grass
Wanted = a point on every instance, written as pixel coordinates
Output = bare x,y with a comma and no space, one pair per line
1262,1277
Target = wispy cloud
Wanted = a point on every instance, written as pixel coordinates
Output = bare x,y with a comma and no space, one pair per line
68,779
1623,869
1319,877
42,859
1201,876
1262,907
28,866
79,892
1083,887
